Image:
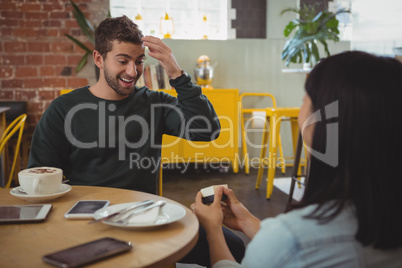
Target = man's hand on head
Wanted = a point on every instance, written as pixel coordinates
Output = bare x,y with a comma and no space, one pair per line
161,52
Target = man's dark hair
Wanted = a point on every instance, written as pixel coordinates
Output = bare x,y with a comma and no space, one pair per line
121,29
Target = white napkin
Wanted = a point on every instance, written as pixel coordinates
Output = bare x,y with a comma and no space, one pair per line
149,216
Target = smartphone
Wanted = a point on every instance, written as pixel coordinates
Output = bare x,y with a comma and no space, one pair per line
24,213
85,209
90,252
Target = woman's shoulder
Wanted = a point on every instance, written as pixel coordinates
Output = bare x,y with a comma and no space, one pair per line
301,226
293,216
290,237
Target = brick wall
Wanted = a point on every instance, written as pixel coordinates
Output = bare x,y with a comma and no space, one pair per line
36,59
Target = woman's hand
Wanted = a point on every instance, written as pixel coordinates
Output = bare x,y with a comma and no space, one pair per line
235,213
236,216
161,52
231,213
210,216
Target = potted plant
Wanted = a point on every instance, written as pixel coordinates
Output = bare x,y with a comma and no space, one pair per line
311,28
89,31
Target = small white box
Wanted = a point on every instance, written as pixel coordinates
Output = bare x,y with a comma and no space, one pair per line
208,194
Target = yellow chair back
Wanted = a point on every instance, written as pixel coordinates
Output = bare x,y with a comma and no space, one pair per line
65,91
16,125
249,111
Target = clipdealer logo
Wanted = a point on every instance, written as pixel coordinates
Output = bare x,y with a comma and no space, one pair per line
331,154
117,138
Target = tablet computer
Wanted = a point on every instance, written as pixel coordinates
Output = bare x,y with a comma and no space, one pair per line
24,213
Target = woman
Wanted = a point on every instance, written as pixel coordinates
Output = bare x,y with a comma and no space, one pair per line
349,215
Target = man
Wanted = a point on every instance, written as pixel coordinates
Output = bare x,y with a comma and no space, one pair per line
96,134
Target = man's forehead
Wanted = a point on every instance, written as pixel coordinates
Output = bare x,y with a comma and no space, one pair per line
118,42
127,48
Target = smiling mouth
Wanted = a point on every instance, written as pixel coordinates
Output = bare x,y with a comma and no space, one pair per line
125,80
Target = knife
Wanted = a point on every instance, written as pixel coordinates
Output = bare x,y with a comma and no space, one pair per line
141,204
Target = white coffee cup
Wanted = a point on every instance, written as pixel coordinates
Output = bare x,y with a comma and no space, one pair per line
40,180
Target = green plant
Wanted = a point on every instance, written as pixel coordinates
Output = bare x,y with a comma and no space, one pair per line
89,31
310,29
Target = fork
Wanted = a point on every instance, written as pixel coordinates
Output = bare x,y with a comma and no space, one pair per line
124,220
162,217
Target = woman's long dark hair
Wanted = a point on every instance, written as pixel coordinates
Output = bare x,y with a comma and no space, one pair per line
366,91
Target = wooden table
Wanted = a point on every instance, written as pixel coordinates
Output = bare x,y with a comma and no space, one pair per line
23,245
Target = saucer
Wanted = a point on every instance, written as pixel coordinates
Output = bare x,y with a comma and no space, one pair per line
64,188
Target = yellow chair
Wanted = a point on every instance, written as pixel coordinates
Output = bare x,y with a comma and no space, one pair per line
16,125
17,108
249,111
160,178
65,91
271,139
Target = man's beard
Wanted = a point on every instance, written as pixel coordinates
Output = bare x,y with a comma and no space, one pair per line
113,82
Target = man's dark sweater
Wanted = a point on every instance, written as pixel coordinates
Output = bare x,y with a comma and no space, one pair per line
118,143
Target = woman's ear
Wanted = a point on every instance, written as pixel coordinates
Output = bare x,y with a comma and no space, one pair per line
98,59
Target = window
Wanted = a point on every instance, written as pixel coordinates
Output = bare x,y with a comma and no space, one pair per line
193,19
345,23
377,26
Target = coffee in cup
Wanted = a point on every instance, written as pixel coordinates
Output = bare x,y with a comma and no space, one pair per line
40,180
